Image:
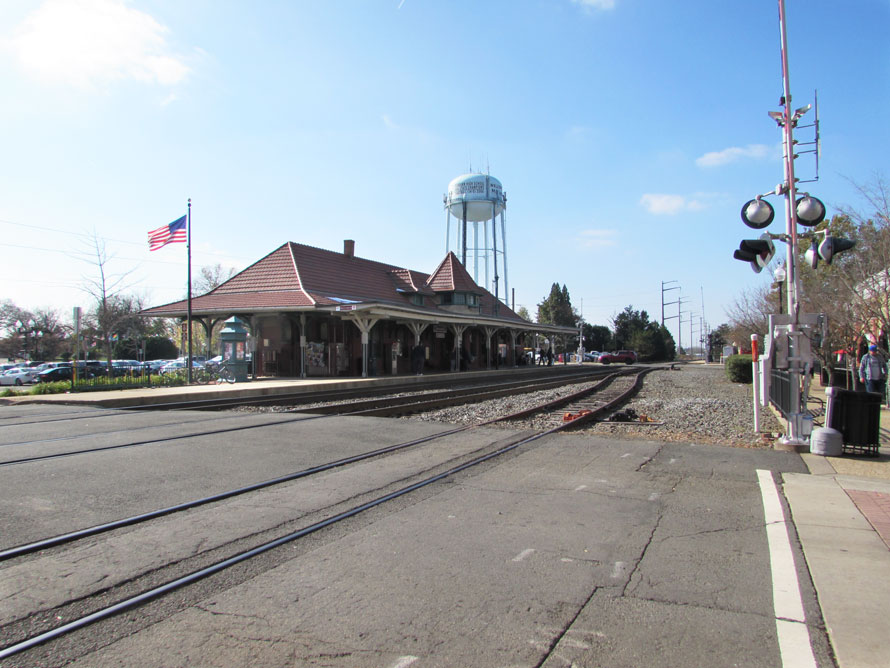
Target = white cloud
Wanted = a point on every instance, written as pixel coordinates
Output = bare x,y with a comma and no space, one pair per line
663,205
732,154
87,43
596,4
669,205
598,238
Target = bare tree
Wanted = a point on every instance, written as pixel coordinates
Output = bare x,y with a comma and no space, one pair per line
211,277
111,308
749,314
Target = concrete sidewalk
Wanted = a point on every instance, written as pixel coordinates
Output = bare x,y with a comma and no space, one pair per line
841,512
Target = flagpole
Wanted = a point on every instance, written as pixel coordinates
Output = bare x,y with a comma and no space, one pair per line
189,319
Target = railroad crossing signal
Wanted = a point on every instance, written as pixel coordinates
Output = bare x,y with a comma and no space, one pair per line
758,252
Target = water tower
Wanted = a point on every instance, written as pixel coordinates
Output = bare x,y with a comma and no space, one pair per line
478,198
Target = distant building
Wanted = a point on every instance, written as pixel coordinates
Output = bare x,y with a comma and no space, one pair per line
314,312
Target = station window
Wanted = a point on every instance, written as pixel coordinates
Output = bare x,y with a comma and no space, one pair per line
417,300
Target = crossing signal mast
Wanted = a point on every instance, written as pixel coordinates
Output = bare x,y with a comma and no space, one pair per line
788,357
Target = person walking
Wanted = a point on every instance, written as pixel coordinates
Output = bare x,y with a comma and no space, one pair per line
873,371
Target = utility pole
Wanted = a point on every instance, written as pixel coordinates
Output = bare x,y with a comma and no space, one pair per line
663,302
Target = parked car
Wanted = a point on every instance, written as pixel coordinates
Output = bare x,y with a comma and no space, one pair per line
592,356
626,356
213,363
17,376
155,365
179,365
87,370
56,373
125,367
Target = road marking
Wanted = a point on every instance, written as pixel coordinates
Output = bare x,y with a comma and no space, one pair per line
580,487
617,570
791,629
522,555
654,496
404,661
626,454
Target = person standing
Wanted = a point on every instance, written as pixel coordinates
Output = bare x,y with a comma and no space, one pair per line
418,357
873,371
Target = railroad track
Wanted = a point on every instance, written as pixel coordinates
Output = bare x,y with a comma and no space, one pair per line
386,406
29,631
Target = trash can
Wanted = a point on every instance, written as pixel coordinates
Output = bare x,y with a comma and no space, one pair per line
857,415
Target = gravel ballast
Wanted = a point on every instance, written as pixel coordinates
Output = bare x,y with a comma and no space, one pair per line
698,404
694,403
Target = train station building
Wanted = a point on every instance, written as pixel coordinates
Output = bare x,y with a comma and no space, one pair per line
315,312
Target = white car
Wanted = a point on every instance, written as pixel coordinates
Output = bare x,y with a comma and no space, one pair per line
179,365
18,376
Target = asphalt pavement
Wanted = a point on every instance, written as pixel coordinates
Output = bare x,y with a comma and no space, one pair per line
840,512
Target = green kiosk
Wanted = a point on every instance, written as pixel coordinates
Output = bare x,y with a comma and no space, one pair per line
234,348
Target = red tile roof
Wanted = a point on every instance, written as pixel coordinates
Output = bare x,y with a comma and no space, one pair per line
450,275
297,277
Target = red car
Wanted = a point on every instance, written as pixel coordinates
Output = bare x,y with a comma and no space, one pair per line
626,356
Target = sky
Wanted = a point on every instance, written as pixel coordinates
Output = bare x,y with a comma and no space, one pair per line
627,135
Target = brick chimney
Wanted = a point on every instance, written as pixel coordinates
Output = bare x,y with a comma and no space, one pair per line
349,248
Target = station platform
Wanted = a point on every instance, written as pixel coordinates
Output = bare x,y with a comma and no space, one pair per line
261,387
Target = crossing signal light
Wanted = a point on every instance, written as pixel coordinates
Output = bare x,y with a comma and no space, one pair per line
810,211
758,213
827,249
758,252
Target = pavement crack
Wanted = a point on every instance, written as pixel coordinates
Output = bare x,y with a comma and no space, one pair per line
649,459
558,637
642,556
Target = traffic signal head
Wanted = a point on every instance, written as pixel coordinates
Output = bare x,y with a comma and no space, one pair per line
812,255
758,252
826,250
831,246
758,213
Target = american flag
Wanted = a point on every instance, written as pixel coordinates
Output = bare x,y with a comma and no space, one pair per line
173,233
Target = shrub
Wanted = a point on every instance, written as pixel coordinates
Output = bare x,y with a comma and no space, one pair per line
738,369
55,387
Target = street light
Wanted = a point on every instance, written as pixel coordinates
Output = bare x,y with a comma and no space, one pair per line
779,275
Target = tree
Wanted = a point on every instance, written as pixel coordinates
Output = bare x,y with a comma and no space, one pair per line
557,310
749,314
524,314
717,338
113,311
211,277
650,340
596,337
37,335
626,323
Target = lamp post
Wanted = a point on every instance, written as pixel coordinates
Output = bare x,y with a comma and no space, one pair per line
779,274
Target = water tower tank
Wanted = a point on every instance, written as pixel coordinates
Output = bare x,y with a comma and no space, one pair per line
480,192
477,200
